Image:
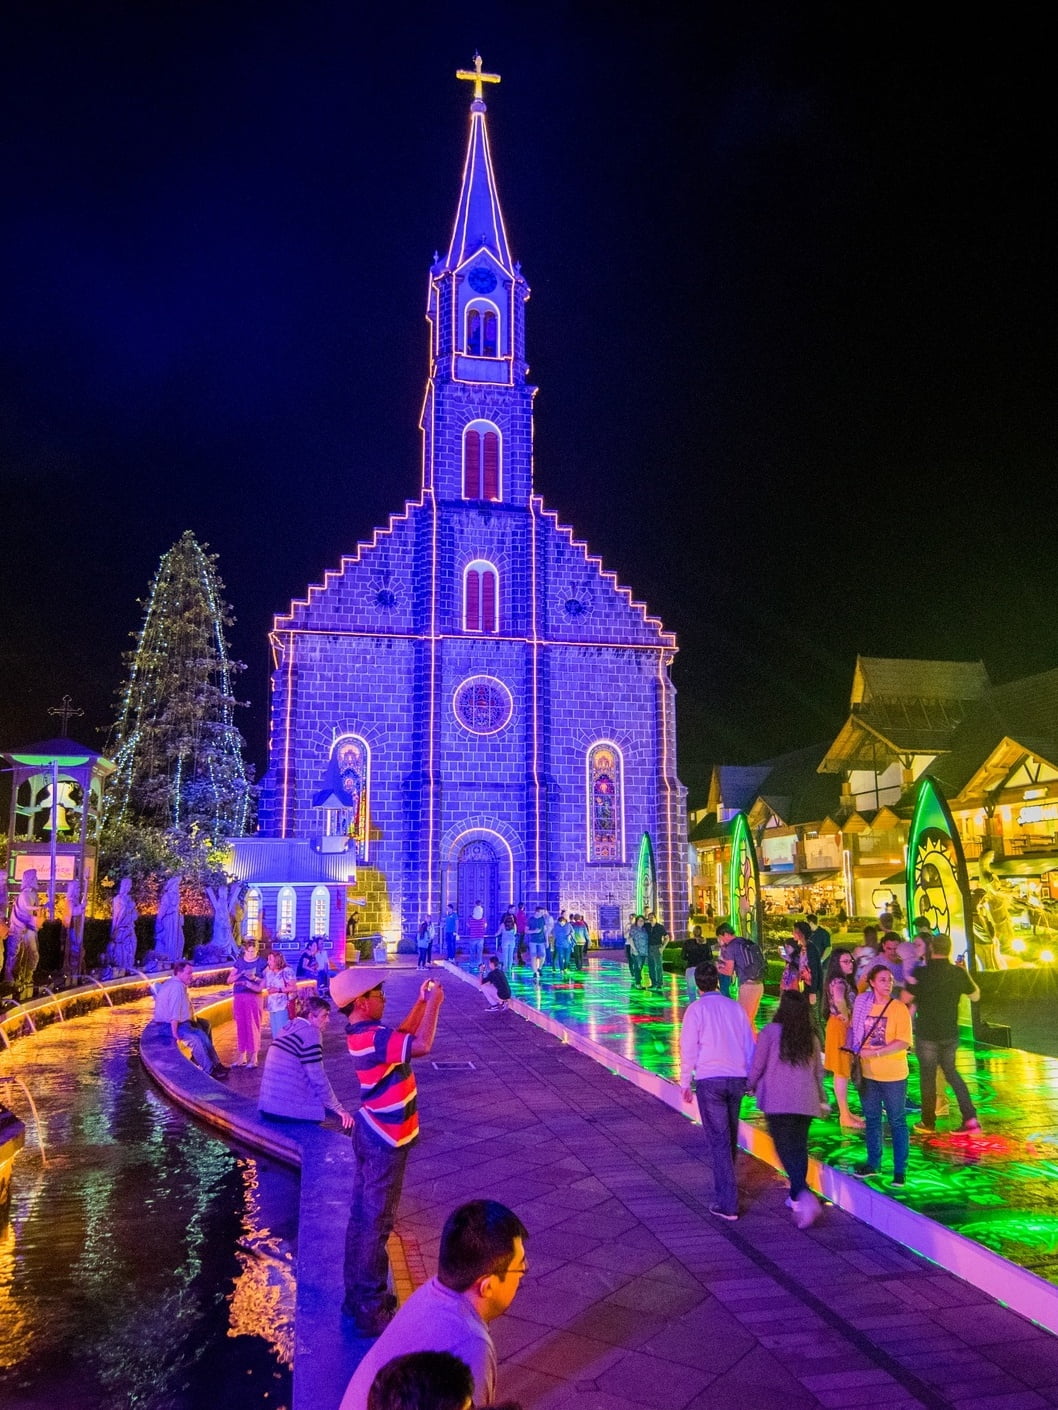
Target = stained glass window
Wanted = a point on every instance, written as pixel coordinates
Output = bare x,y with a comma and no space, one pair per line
605,804
483,705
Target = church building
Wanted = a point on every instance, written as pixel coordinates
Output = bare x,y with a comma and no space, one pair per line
470,708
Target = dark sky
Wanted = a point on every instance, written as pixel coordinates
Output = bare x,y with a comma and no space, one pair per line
792,322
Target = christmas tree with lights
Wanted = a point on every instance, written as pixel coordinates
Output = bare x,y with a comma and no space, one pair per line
179,753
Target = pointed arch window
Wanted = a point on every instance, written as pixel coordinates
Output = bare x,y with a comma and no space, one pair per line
345,795
481,597
482,328
320,913
286,914
481,461
605,803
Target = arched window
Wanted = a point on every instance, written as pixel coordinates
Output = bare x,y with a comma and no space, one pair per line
253,914
481,461
320,914
482,329
605,803
286,914
481,596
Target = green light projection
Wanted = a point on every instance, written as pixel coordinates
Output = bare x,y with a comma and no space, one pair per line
937,884
743,881
646,878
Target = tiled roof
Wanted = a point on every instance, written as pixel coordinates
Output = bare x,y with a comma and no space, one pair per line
290,861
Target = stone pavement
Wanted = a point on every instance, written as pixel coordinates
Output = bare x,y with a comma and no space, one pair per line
636,1296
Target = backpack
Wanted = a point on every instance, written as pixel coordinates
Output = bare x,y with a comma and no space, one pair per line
752,960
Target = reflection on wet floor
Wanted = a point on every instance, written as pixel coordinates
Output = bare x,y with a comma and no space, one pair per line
146,1264
1000,1189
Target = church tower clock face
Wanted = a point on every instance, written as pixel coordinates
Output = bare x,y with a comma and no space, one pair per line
481,280
483,705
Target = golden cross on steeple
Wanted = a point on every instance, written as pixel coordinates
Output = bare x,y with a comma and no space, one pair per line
476,77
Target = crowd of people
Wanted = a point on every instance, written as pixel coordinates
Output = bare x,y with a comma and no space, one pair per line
852,1012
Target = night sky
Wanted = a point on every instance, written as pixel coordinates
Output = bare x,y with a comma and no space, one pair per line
792,324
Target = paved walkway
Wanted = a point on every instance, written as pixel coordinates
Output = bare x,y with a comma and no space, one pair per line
637,1297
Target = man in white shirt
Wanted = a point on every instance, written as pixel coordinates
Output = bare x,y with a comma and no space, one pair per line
172,1009
716,1049
480,1267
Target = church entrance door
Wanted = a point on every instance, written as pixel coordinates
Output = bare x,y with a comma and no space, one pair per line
477,879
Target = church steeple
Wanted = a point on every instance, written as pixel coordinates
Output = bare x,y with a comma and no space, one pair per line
479,220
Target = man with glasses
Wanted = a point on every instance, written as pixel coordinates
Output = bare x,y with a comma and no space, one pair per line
480,1267
386,1125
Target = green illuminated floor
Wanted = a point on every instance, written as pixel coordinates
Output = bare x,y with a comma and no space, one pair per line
1000,1189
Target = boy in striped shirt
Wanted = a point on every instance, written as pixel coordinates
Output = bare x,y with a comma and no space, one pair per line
386,1125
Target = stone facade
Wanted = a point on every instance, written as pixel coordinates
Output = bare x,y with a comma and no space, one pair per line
474,654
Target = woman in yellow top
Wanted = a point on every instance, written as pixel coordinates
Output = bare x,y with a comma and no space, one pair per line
881,1034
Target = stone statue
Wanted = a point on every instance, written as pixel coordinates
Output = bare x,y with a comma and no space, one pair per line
224,900
22,955
169,928
121,952
74,905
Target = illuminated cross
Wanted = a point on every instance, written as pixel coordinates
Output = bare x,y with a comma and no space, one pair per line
67,711
476,77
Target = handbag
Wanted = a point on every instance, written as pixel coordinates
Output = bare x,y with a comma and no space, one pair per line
856,1074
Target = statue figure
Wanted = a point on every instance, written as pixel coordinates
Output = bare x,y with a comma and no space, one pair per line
22,955
74,904
169,928
121,952
224,900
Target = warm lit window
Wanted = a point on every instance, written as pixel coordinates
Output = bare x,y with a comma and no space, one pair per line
481,461
320,912
482,329
253,914
286,913
481,590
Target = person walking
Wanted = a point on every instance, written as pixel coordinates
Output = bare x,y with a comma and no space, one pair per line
247,985
579,932
537,941
521,924
716,1049
451,932
786,1076
939,985
638,946
507,942
476,935
881,1037
549,938
280,991
386,1126
656,937
563,943
743,959
696,950
839,997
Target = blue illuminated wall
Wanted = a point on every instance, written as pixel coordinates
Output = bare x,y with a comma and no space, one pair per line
480,739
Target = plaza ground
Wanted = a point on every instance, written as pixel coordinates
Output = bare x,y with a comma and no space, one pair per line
637,1297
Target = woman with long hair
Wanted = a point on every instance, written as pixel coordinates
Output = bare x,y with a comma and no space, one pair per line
638,944
786,1075
881,1035
839,996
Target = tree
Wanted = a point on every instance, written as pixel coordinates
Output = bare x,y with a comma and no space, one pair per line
179,753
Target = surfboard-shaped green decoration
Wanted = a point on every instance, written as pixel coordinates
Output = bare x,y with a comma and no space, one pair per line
646,878
743,881
937,883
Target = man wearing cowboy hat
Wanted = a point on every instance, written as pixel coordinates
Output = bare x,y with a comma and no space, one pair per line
386,1125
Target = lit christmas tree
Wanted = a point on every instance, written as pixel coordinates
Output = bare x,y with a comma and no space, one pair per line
178,750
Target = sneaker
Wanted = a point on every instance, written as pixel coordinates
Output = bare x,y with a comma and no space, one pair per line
863,1172
921,1129
898,1178
789,1203
970,1126
806,1209
220,1072
912,1106
722,1214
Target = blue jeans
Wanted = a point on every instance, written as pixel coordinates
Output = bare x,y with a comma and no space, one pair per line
196,1035
654,966
564,954
719,1104
477,950
507,952
372,1212
893,1097
932,1055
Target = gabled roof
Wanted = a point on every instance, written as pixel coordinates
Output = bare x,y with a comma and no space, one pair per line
1021,715
790,785
912,678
